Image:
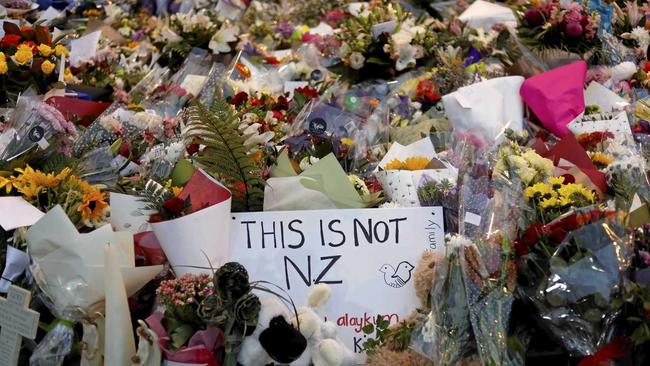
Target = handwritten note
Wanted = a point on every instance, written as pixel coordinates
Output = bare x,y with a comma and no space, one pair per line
365,256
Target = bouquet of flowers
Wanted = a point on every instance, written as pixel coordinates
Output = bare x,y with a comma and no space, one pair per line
28,58
84,204
555,25
385,41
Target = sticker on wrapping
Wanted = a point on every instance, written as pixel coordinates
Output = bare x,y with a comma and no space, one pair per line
472,218
317,126
36,134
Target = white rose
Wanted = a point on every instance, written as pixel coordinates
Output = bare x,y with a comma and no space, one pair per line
357,60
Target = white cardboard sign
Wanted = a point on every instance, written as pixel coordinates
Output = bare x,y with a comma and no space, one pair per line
366,256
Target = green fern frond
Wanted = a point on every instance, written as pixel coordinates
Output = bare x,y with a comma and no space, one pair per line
225,157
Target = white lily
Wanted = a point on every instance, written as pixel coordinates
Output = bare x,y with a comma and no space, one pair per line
405,57
220,40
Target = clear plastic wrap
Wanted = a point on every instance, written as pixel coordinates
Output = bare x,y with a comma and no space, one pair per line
445,335
572,289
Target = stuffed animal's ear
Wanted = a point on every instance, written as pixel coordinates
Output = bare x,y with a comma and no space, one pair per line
282,341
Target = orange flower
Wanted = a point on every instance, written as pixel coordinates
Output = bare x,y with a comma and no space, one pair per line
93,205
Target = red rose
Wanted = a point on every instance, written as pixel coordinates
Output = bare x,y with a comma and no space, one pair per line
282,104
646,66
255,102
272,60
307,91
174,205
239,99
192,149
10,40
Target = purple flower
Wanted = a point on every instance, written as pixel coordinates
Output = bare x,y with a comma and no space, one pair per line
285,29
138,36
473,56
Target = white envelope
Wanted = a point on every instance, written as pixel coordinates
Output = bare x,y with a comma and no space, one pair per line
487,108
597,94
483,14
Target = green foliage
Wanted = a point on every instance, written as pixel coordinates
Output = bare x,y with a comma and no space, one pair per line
400,335
225,156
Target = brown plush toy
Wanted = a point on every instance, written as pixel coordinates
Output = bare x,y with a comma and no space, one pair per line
391,354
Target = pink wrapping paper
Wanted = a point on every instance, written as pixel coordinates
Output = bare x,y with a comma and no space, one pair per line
199,349
557,96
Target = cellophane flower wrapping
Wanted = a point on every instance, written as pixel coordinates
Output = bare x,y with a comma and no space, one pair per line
34,123
489,271
572,286
445,336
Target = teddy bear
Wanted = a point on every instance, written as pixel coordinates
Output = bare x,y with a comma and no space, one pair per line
283,337
275,339
324,348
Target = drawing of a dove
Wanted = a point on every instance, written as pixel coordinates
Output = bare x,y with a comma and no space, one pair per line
397,277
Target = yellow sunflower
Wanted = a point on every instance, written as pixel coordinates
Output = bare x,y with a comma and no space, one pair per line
93,205
601,160
416,163
394,165
7,183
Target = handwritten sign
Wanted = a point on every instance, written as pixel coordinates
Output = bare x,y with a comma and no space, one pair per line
16,321
366,256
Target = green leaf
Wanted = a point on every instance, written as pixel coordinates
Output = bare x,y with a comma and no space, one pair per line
224,155
368,329
181,335
377,61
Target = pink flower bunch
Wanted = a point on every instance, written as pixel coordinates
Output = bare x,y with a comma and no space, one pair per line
169,123
573,20
187,290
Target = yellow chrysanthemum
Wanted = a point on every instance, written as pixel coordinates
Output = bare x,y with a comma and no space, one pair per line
578,194
538,191
23,55
556,182
177,191
93,206
45,50
3,57
601,160
549,203
394,165
47,67
60,50
4,67
416,163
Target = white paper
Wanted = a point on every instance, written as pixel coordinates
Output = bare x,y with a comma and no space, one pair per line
381,28
619,126
322,29
15,212
16,262
49,14
119,341
472,218
290,86
128,213
69,266
421,148
483,14
199,239
597,94
302,248
358,9
488,107
289,193
84,48
401,186
193,84
227,10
